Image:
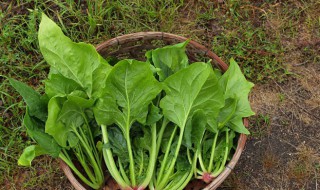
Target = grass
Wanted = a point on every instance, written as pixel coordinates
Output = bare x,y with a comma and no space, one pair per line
260,35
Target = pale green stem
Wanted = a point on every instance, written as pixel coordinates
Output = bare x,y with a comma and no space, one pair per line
171,167
123,173
153,157
212,152
164,161
131,166
108,158
226,153
201,161
76,171
96,168
185,183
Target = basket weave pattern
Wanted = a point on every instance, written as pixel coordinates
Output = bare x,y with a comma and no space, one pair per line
134,46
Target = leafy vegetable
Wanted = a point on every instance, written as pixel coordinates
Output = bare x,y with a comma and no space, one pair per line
156,124
186,92
236,106
169,59
129,90
60,121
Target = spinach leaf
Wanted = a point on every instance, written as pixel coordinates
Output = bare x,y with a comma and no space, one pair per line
35,130
54,127
188,90
191,89
76,61
37,105
118,144
199,122
227,112
29,153
58,85
169,59
100,75
130,88
237,125
235,85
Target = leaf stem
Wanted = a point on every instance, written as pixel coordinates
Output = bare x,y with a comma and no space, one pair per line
109,160
76,171
123,173
212,152
79,154
185,183
91,138
189,156
226,153
153,157
164,161
203,168
160,135
97,169
171,167
131,166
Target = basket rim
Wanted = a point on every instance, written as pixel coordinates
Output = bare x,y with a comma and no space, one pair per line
140,36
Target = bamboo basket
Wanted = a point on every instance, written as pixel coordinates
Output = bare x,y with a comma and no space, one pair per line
134,46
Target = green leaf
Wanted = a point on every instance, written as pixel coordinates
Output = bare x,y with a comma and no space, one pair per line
199,122
130,88
221,146
35,130
169,59
195,129
29,153
75,61
153,115
118,144
53,127
144,142
99,77
235,85
217,72
58,85
227,112
64,112
73,140
36,105
141,158
191,89
237,125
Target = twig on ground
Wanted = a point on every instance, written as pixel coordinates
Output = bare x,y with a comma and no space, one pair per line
299,64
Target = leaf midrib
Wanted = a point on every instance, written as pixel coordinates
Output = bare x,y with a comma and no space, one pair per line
128,102
63,62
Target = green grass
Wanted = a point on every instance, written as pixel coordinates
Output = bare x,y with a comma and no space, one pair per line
257,34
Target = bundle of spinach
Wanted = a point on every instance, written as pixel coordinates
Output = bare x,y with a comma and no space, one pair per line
162,122
61,121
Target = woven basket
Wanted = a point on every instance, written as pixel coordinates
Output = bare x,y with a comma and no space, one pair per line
134,46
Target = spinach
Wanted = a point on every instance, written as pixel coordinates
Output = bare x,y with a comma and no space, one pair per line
206,109
60,122
235,90
125,99
156,123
